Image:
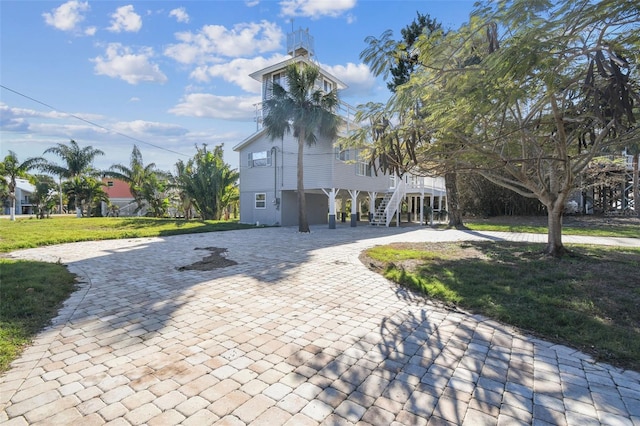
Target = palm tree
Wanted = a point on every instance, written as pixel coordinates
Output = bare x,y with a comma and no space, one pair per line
206,182
305,111
85,191
137,175
77,161
11,169
44,197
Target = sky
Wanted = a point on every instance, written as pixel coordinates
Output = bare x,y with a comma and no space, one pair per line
169,76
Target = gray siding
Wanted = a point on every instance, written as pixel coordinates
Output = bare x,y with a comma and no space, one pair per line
345,177
250,214
317,208
321,168
257,179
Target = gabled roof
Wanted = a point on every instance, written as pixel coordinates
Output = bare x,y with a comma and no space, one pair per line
250,139
119,189
25,186
281,65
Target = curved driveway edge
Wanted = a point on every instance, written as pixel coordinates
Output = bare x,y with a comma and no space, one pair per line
298,332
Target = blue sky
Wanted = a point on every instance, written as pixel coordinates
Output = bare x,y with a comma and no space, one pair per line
172,74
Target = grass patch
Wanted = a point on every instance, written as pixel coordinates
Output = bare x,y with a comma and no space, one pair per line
596,231
594,226
32,293
29,232
590,299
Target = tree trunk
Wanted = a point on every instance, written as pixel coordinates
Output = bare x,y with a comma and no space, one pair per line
303,225
636,190
554,236
453,206
12,213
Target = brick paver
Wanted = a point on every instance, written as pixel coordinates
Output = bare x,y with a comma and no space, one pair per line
299,332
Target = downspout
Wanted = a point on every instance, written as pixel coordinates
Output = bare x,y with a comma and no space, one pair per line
274,155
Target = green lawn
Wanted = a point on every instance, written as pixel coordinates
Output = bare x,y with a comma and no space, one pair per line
588,299
31,232
596,231
32,293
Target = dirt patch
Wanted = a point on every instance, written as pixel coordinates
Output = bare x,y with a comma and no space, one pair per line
213,261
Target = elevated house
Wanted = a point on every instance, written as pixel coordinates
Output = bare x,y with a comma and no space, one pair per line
24,204
336,181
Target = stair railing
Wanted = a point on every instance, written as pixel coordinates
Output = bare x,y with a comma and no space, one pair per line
394,202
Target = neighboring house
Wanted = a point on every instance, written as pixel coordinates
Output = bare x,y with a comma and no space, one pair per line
24,190
332,177
120,198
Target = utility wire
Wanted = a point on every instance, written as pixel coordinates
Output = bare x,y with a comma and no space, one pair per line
115,132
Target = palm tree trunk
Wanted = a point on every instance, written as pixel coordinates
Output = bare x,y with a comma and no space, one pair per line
303,225
12,214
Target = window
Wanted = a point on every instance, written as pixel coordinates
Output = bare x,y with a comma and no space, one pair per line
327,86
110,183
261,200
260,159
363,167
343,154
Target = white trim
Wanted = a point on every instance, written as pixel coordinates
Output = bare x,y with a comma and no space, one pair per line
263,201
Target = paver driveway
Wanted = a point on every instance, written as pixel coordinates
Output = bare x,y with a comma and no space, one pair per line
297,332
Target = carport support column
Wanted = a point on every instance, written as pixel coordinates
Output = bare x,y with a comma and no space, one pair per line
354,207
372,204
332,207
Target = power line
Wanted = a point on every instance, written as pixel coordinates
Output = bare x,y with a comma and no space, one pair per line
115,132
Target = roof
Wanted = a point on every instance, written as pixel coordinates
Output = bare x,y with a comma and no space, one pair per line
24,185
250,139
119,189
280,65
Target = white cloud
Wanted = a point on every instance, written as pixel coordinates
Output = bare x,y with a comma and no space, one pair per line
67,16
204,105
357,76
21,113
237,71
214,41
121,62
29,132
12,121
180,14
315,9
134,99
149,128
67,131
125,19
90,31
252,3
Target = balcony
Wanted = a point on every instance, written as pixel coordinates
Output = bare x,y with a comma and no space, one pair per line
344,111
